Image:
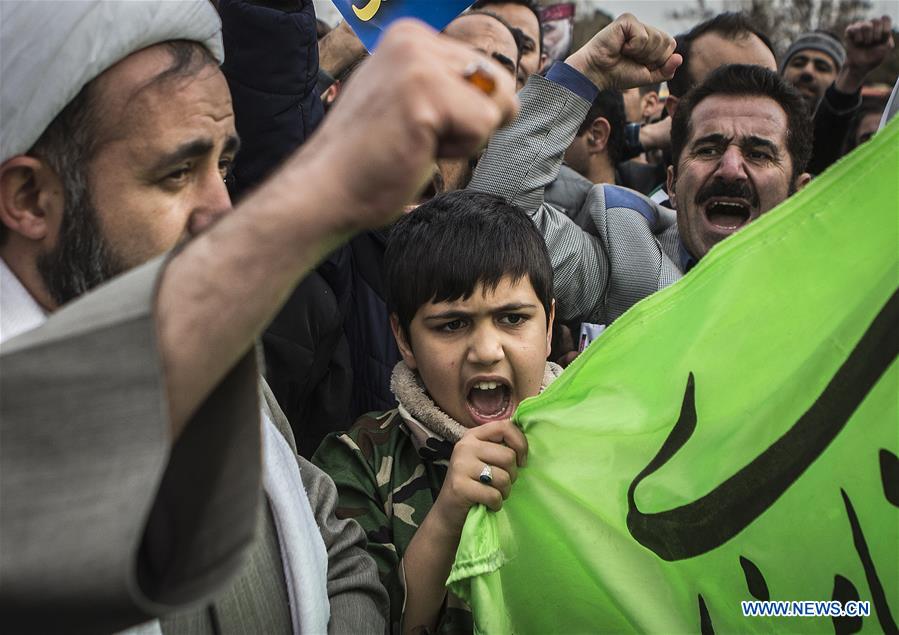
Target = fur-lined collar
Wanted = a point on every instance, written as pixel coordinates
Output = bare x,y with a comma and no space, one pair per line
416,405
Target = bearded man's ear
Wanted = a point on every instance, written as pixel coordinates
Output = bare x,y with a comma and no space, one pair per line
31,199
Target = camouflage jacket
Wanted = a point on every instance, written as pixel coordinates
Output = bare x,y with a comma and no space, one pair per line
388,473
389,469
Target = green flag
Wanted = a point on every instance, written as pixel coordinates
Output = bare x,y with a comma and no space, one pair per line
732,438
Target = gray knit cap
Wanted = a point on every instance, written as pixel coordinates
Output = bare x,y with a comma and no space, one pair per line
818,41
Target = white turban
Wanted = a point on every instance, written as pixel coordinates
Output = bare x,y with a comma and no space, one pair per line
50,49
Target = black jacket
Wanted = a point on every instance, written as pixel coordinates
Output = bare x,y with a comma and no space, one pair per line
330,351
356,272
271,64
832,119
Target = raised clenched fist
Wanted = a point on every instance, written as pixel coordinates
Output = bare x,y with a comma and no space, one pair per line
626,54
406,106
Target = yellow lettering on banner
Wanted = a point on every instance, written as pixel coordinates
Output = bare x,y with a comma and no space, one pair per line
367,12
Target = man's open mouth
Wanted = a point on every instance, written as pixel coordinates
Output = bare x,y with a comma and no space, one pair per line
728,215
489,400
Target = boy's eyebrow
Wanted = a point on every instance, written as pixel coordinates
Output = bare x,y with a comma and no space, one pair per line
515,306
455,314
452,314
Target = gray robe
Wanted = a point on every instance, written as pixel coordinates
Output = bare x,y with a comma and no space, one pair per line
256,600
104,523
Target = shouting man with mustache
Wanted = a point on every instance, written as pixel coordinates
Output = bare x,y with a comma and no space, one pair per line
741,141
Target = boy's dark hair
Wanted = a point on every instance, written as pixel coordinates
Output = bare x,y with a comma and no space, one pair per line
608,104
750,81
441,251
530,4
727,24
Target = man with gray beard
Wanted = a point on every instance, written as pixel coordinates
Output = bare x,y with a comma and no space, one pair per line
132,437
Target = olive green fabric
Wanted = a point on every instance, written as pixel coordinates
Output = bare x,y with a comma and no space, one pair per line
733,437
387,480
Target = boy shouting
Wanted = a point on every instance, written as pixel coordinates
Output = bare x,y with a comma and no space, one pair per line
470,293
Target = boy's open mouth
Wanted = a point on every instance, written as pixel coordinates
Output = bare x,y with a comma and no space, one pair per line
489,400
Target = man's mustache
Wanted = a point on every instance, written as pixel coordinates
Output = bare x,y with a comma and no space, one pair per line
730,189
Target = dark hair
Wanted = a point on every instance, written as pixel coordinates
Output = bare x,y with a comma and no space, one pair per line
441,251
650,88
70,141
749,80
530,4
872,105
728,24
608,104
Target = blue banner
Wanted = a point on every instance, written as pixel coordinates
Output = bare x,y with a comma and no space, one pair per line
369,17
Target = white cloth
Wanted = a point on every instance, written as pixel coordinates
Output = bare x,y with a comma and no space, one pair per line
18,310
50,49
303,555
147,628
892,106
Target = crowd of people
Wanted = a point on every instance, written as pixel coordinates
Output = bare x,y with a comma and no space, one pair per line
269,303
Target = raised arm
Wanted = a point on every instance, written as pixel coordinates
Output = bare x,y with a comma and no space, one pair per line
408,105
868,43
521,160
525,156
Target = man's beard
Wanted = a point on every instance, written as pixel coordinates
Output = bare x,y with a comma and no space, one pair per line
812,101
82,258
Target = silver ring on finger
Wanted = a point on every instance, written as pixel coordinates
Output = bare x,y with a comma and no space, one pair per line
486,475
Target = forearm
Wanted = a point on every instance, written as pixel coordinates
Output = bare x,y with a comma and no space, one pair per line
220,291
520,161
524,157
579,262
646,137
850,79
426,565
223,288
